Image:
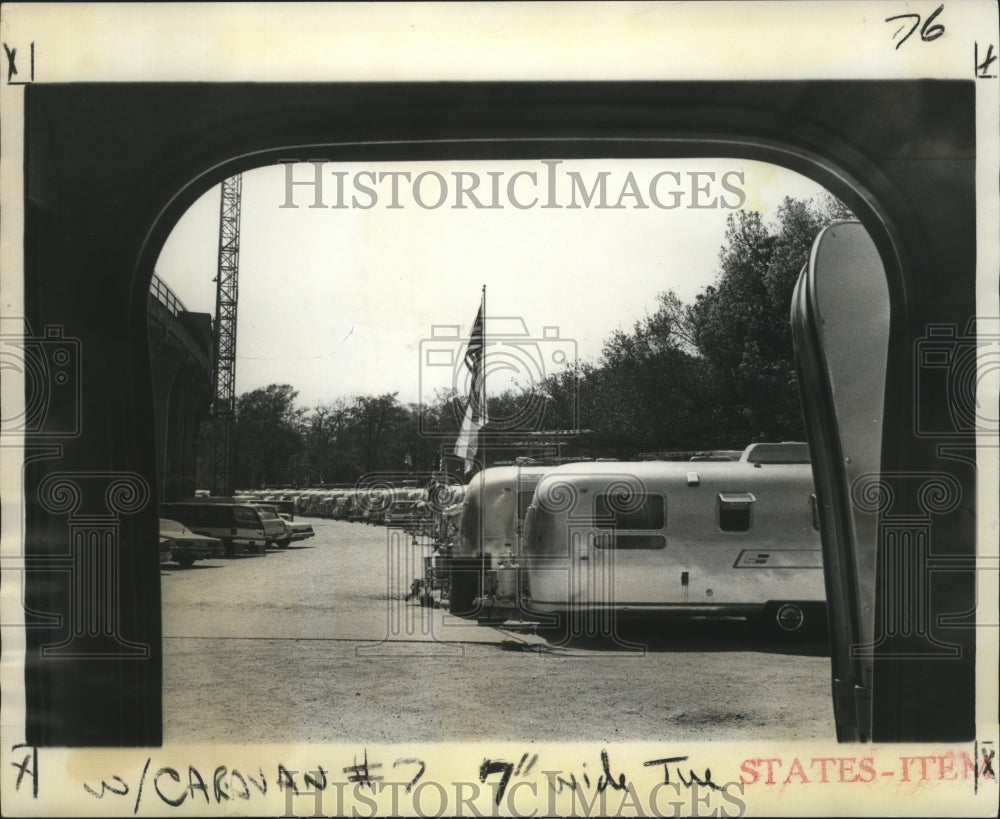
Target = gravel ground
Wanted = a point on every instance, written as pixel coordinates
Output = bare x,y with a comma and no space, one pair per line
315,643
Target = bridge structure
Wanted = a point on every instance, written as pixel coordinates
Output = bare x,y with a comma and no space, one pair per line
181,359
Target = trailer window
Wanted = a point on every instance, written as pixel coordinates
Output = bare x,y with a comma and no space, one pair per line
735,511
623,510
613,540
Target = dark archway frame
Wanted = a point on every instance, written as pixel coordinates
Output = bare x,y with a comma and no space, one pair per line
111,167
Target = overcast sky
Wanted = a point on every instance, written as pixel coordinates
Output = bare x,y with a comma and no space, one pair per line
343,299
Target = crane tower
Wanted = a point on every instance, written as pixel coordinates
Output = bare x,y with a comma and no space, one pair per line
226,293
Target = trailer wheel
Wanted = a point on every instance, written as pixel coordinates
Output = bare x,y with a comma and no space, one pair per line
793,620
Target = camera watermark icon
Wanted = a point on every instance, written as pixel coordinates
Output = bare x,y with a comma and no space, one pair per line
513,359
50,366
957,365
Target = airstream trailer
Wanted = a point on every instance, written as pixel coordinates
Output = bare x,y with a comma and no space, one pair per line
708,538
491,529
580,542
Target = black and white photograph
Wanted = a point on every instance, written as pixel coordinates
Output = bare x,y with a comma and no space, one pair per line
500,409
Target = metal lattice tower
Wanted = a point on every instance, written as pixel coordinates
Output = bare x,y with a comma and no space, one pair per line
226,294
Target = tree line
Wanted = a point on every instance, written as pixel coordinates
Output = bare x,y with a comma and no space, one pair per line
717,373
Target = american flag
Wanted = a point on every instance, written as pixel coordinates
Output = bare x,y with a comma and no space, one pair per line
474,352
475,412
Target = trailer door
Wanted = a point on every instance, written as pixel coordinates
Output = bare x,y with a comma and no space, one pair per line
626,549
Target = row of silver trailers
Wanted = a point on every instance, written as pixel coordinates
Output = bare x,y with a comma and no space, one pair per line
584,547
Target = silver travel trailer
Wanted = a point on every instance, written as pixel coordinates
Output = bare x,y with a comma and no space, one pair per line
490,531
707,538
613,539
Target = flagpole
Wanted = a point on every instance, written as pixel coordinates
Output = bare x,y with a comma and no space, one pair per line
484,419
486,415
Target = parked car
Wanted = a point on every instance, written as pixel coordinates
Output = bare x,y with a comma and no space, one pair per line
276,528
290,531
300,531
180,544
237,525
